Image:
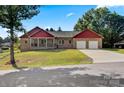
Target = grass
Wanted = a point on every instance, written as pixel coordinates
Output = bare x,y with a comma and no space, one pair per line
43,58
116,50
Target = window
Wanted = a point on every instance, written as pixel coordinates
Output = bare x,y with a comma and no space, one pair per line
60,42
25,41
42,42
69,41
50,42
34,42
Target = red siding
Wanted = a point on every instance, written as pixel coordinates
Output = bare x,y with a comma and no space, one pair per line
87,34
42,33
36,32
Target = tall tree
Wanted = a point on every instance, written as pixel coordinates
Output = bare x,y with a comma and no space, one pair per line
115,28
59,29
51,29
107,23
94,19
11,18
47,29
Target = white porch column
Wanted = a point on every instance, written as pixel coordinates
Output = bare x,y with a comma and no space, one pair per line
38,42
46,42
54,43
30,42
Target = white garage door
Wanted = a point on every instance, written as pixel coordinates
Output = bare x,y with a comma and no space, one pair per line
93,44
81,44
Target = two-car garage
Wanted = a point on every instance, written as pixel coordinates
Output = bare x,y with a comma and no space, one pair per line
88,39
87,44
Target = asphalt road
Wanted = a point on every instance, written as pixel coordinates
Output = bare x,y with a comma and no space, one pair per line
91,75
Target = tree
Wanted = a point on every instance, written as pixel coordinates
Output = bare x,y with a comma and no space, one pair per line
115,27
7,39
11,18
1,40
59,29
47,29
51,29
94,19
107,23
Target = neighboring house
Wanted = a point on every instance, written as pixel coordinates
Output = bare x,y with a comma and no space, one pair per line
119,44
6,44
38,38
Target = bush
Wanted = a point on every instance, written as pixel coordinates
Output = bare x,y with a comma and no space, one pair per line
5,48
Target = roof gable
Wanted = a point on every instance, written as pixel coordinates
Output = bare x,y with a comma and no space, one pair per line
42,33
36,32
32,31
87,34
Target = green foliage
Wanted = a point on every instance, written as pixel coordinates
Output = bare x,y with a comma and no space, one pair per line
7,39
5,48
47,29
1,40
11,17
109,24
59,29
51,29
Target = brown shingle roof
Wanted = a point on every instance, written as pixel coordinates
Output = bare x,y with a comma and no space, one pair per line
86,33
63,33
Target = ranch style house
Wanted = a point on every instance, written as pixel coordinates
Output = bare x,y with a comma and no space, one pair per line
37,38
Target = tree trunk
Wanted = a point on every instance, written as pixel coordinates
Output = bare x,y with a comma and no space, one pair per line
12,59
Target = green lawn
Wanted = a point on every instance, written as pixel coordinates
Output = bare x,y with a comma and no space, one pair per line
117,50
45,58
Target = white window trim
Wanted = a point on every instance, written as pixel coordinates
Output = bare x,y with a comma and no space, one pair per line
61,42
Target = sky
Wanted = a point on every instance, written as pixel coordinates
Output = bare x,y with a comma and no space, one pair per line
64,16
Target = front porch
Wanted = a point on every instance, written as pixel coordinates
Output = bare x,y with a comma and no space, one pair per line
42,43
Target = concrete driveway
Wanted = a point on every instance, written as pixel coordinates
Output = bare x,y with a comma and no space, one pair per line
103,56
